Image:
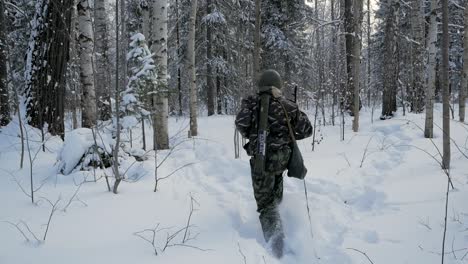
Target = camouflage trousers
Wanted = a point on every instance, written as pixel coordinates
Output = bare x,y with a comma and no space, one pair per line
268,190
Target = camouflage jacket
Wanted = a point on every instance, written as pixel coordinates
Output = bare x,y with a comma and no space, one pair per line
278,132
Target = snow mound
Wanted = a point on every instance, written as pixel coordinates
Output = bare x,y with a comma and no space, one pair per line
77,144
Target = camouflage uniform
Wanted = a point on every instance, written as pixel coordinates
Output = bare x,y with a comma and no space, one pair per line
268,188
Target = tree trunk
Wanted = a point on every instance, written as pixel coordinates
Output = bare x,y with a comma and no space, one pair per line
356,60
159,49
369,73
431,70
445,86
464,85
210,89
46,65
390,63
102,84
192,70
349,30
124,43
333,63
4,98
179,55
418,29
86,42
257,42
118,177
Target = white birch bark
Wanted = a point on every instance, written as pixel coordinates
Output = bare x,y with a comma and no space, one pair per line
192,70
86,42
160,97
431,71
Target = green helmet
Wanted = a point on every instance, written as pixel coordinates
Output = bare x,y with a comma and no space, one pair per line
270,78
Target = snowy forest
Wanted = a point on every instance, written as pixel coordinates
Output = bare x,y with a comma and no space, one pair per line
118,140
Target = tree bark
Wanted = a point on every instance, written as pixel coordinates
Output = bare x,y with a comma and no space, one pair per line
210,88
102,84
390,63
369,73
160,98
356,60
118,177
86,43
445,86
4,98
46,65
418,48
192,70
257,42
464,86
431,70
179,55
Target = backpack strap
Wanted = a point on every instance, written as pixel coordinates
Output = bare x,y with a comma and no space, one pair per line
291,132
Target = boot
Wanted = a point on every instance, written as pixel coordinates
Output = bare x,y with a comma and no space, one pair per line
273,230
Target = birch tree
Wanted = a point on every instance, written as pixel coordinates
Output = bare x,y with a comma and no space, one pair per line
192,70
160,95
4,103
431,71
86,46
102,84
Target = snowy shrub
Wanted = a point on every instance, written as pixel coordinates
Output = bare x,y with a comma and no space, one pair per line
215,18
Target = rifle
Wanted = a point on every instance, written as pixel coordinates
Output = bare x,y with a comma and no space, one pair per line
259,161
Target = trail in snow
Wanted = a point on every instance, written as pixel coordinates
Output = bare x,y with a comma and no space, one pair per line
390,208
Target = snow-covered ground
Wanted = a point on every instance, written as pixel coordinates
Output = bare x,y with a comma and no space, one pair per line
387,202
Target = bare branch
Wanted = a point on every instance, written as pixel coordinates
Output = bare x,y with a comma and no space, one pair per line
363,253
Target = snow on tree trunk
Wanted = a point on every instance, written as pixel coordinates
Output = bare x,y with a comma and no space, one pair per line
464,86
160,96
418,30
102,84
4,104
431,71
86,42
445,87
192,70
46,61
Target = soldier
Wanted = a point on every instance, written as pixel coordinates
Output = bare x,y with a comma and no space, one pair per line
268,184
